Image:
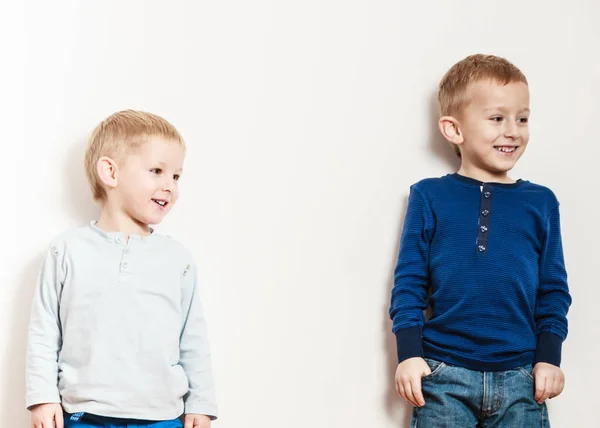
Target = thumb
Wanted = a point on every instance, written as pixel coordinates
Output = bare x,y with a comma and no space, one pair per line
426,370
189,421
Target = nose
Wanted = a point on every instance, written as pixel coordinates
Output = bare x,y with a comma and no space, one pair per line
167,186
512,130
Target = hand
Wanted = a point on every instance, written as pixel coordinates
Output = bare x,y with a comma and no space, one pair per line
549,381
196,421
48,415
408,380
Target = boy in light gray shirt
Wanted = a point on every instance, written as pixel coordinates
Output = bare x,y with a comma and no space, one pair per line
117,335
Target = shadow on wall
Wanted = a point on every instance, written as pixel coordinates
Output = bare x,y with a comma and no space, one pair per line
437,143
396,408
80,208
398,411
13,409
78,203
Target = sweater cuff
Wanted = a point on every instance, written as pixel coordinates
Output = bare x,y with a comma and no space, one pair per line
408,343
201,409
548,349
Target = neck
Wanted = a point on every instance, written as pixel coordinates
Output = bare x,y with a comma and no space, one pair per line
484,176
113,219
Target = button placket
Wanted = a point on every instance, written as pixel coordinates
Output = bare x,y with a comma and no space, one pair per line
485,211
124,263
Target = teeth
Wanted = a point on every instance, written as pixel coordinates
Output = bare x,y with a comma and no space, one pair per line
506,149
161,203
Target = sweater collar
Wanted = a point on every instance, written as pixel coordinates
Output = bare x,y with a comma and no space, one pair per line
478,183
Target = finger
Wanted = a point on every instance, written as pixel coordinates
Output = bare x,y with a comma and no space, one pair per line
409,394
540,386
417,392
189,422
561,387
402,392
58,417
547,390
556,388
553,385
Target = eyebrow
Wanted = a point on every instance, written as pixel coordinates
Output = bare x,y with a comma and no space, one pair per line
504,108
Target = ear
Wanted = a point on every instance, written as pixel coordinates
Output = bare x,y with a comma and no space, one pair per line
107,171
450,129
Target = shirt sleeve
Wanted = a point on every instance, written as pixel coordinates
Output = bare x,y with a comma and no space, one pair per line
45,336
194,350
409,293
553,299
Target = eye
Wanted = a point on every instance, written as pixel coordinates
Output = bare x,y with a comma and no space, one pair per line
176,177
523,119
156,171
497,119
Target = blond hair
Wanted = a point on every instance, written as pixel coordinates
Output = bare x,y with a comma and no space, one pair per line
453,90
120,134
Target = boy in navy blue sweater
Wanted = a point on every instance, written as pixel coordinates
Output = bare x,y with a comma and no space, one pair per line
485,252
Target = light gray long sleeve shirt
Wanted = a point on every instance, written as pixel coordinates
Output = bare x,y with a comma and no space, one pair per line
117,329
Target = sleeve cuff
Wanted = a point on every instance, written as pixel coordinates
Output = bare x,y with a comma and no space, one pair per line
33,399
202,409
408,343
548,349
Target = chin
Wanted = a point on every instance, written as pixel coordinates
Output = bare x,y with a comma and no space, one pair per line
150,219
155,220
501,167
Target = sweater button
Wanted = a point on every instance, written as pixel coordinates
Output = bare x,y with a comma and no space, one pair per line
483,229
481,248
487,195
485,213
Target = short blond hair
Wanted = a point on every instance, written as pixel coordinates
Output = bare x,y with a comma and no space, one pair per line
120,134
453,90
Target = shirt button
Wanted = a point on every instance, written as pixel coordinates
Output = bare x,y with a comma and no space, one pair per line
126,250
485,213
487,195
481,248
483,229
124,264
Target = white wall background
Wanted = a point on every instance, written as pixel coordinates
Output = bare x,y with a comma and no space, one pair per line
306,123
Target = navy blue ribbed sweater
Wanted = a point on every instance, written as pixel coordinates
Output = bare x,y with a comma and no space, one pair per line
488,259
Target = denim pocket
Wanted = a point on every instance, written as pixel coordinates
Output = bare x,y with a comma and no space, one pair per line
526,371
435,366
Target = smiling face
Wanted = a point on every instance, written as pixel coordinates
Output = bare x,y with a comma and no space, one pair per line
493,129
147,180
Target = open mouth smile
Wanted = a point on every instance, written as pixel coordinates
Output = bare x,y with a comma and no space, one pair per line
160,202
506,150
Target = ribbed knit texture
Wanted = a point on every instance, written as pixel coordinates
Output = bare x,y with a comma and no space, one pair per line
493,310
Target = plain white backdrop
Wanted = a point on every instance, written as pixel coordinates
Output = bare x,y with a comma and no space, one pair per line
306,123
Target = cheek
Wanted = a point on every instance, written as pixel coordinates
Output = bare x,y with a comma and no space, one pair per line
485,132
175,194
493,133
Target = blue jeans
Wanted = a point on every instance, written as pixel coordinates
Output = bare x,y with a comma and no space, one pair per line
90,421
456,397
